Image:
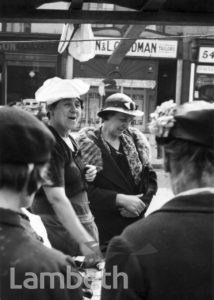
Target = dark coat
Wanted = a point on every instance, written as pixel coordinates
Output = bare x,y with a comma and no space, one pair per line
20,254
167,256
102,196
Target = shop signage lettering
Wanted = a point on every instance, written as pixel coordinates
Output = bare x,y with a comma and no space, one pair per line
142,48
44,47
7,47
206,54
142,84
205,69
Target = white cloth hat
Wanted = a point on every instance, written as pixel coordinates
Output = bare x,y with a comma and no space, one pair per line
55,89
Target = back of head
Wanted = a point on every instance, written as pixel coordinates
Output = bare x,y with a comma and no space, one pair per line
187,134
194,123
23,138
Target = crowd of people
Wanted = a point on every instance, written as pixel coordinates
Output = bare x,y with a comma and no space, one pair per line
91,194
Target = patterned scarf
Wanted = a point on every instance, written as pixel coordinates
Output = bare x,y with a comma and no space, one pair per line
134,144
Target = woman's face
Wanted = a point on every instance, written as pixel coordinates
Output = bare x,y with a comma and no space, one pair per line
117,123
67,113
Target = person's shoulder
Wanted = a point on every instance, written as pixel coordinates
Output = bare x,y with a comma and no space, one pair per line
59,147
87,136
144,230
141,143
137,134
86,132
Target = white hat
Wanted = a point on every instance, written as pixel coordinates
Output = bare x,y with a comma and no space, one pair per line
55,89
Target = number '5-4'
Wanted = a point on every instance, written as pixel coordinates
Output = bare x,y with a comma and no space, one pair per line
206,54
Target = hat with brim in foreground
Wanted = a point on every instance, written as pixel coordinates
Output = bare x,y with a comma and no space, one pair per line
194,122
122,103
56,89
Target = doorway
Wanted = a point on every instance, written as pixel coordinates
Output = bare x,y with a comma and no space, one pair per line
166,80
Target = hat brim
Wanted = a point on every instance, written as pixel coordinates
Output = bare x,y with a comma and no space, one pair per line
56,89
135,113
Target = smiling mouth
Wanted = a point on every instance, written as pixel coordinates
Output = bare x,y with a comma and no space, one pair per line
72,118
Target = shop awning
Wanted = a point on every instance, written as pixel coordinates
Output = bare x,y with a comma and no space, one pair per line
143,12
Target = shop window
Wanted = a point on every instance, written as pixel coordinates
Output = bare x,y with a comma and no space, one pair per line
204,87
23,81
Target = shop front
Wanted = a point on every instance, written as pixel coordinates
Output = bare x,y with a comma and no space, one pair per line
202,72
137,76
24,66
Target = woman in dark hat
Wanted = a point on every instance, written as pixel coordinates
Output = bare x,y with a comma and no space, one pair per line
126,182
25,150
169,254
63,206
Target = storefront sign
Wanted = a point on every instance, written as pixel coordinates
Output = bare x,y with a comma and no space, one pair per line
206,54
7,47
131,83
141,48
202,69
26,46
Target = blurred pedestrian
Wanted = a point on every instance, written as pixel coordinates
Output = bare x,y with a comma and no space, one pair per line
169,254
126,181
26,144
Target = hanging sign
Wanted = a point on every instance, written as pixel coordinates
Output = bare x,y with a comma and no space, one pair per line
141,48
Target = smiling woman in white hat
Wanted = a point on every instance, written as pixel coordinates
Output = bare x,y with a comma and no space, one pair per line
124,187
60,204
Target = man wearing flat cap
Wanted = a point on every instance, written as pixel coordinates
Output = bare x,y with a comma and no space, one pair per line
170,254
25,148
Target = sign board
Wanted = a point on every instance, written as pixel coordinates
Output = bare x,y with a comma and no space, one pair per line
39,47
32,57
206,55
203,69
143,84
140,48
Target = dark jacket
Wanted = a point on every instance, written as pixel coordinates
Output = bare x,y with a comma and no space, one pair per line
23,257
108,183
168,255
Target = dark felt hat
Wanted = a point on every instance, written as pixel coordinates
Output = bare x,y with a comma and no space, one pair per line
23,138
119,102
194,122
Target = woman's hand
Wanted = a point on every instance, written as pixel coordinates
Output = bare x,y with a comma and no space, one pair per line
131,203
127,214
92,253
90,173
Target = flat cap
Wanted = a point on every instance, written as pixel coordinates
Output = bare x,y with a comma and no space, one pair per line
23,138
194,122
